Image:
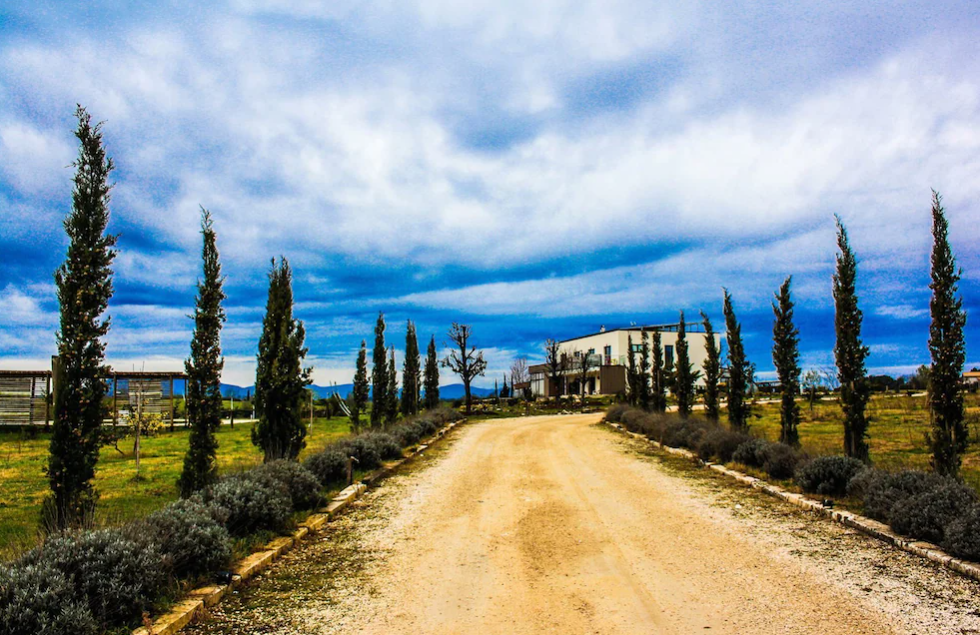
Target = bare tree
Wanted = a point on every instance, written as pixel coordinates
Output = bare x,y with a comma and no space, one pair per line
519,374
586,363
554,363
464,359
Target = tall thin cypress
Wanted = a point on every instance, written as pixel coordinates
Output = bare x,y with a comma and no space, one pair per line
739,370
643,397
203,392
391,392
280,379
431,380
849,352
786,358
84,283
685,375
411,373
658,396
712,370
948,437
379,374
631,381
361,389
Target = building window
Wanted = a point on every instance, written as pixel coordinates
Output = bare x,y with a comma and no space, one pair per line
637,348
607,354
669,355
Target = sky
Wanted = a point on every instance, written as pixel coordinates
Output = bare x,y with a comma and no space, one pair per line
535,170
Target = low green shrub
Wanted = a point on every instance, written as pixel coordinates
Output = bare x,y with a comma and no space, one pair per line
684,433
828,475
362,449
115,576
408,434
926,515
249,504
443,415
720,444
302,485
636,420
882,491
328,465
962,535
38,598
189,539
751,453
780,460
616,412
386,445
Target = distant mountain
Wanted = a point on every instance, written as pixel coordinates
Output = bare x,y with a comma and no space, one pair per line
455,391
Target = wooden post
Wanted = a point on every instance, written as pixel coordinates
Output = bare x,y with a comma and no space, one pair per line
31,416
47,404
115,400
172,403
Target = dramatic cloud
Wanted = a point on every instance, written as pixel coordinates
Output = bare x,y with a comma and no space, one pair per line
533,170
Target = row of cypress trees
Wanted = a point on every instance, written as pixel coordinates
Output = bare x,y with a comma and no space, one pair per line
84,288
948,436
420,386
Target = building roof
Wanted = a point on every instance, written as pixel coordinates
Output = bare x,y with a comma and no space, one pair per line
690,327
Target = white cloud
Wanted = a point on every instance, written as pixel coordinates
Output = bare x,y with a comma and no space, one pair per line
34,160
902,311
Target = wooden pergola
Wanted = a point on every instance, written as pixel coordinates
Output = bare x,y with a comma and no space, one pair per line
24,397
156,388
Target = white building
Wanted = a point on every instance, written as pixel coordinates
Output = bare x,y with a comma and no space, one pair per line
609,359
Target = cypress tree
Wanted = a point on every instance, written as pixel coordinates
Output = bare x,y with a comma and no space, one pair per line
379,375
84,283
849,352
686,375
712,370
739,370
643,373
631,382
948,437
658,398
411,373
391,392
361,389
432,376
280,379
786,358
203,393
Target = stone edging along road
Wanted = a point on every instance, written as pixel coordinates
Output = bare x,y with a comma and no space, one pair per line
197,601
863,524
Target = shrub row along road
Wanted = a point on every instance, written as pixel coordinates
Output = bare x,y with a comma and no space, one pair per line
556,525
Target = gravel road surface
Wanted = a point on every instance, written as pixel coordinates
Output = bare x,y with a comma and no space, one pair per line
557,525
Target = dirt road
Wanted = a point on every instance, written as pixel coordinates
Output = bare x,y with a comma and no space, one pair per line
552,525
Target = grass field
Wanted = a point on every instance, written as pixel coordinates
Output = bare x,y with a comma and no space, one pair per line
23,484
897,429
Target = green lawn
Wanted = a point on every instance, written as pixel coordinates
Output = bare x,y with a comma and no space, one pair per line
897,428
23,484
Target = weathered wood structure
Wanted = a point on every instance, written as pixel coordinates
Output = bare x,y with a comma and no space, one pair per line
26,395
